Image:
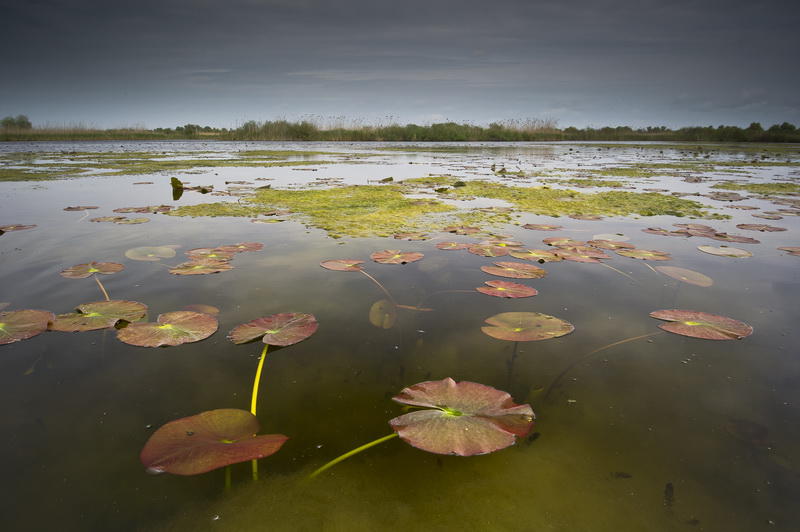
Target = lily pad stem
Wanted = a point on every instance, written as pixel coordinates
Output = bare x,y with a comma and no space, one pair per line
102,288
348,454
620,272
385,291
254,399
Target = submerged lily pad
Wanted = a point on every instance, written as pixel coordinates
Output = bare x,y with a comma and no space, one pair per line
241,247
201,307
686,275
283,329
462,229
17,325
150,253
460,418
526,326
515,270
395,256
172,328
207,441
506,289
383,314
644,254
342,265
201,267
698,324
99,315
725,251
81,271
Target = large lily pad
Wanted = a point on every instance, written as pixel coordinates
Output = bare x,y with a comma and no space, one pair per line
526,326
342,265
761,227
395,256
685,275
451,245
201,267
558,241
610,244
725,251
487,250
17,325
791,250
506,289
15,227
644,254
540,255
739,239
515,270
464,418
242,247
150,253
542,227
383,314
462,229
702,325
81,271
99,315
172,328
276,329
207,441
583,251
209,254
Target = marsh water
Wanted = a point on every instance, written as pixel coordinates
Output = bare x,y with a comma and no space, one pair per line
666,432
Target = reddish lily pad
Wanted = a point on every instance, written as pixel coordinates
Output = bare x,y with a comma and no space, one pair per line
583,251
487,250
501,243
207,441
559,241
663,232
739,239
81,271
241,247
201,267
209,254
698,324
451,245
16,325
411,236
542,227
395,256
383,314
342,265
462,229
644,254
132,221
769,216
540,255
7,228
100,219
610,244
526,326
791,250
99,315
515,270
725,251
463,419
760,227
686,275
506,289
172,328
150,253
81,208
572,256
283,329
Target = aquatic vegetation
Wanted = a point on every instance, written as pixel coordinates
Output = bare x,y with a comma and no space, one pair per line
342,265
81,271
725,251
132,221
506,289
559,241
515,270
383,314
686,275
760,227
99,315
16,325
81,208
791,250
17,227
698,324
761,188
170,329
209,254
151,253
452,245
526,326
207,441
644,254
610,244
395,256
487,250
149,209
411,236
201,267
542,227
101,219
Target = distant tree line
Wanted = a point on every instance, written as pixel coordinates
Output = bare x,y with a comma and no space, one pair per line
20,128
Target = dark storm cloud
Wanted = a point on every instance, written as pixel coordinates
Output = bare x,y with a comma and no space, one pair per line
583,62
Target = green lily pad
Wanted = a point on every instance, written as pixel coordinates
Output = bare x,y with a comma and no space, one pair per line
791,250
342,265
760,227
501,243
526,326
462,229
132,221
99,315
686,275
101,219
542,227
209,254
644,254
725,251
506,289
283,329
207,441
451,245
16,325
487,250
150,253
539,255
383,314
81,208
241,247
698,324
172,328
201,267
152,209
460,418
395,256
515,270
81,271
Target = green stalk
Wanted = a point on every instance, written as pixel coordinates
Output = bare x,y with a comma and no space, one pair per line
102,288
348,454
254,399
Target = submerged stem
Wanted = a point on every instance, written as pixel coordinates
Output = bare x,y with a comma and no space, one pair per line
102,288
383,288
348,454
254,399
654,270
619,272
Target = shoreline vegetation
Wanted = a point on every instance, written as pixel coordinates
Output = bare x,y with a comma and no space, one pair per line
20,129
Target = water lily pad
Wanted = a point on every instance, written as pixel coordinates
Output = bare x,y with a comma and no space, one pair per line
515,270
761,227
502,243
572,256
644,254
207,441
526,326
241,247
768,216
132,221
583,251
172,328
101,219
99,315
702,325
739,239
462,229
451,245
81,271
383,314
411,236
342,265
542,227
81,208
725,251
614,237
559,241
506,289
791,250
201,267
539,255
463,419
395,256
686,275
487,250
152,209
7,228
16,325
150,253
283,329
610,244
205,309
209,254
589,217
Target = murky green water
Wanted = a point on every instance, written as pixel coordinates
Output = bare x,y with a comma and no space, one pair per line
662,433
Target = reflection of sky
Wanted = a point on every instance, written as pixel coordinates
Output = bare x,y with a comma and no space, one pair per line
584,62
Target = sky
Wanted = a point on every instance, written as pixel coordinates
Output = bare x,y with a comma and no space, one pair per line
163,63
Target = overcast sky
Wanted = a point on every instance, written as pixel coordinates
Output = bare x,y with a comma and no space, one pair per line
162,63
